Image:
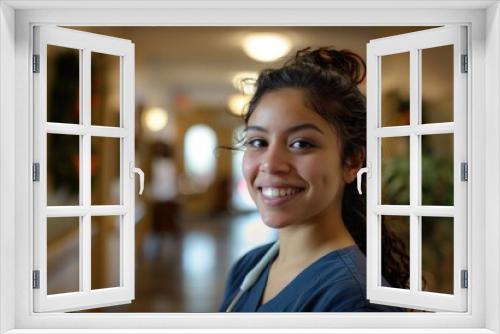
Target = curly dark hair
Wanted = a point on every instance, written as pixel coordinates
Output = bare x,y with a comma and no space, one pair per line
330,79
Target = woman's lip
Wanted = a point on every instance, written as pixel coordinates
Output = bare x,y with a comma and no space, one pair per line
279,186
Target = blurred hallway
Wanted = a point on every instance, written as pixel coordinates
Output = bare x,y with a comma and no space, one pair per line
199,260
187,231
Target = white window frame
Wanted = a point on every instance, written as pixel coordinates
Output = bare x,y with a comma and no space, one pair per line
16,20
413,44
85,43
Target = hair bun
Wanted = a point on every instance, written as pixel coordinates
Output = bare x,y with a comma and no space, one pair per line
344,62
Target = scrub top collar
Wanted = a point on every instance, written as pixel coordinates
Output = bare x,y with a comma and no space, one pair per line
304,278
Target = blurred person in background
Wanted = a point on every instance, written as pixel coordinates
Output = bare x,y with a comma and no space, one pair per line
164,193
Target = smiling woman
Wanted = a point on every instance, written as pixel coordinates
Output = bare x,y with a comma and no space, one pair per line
304,143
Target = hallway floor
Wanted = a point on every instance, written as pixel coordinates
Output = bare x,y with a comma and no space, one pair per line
187,273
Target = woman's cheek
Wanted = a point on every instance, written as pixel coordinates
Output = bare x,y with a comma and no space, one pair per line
245,166
311,170
248,168
320,176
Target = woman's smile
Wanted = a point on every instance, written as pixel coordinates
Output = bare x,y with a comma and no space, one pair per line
276,196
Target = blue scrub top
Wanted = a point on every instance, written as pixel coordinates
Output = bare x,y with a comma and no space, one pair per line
334,283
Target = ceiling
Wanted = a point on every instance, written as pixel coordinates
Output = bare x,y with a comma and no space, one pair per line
199,62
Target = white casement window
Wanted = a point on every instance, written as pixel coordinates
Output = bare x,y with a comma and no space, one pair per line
473,214
417,209
83,211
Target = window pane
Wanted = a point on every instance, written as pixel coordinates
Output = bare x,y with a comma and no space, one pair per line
63,166
63,255
105,73
437,254
395,89
437,169
437,84
105,252
63,84
396,251
395,178
105,171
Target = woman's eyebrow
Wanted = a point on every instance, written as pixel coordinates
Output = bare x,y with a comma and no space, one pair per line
255,128
304,127
294,128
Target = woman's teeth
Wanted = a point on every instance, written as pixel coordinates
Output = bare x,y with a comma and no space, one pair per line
279,192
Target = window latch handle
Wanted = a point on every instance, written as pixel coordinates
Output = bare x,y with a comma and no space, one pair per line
360,174
135,170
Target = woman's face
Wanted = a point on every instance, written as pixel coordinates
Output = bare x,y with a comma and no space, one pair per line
292,163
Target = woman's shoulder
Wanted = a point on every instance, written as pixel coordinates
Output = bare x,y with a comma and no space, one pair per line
346,264
341,284
337,282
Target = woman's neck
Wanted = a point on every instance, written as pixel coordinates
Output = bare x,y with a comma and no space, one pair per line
303,244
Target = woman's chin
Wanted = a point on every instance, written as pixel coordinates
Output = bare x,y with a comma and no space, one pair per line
276,222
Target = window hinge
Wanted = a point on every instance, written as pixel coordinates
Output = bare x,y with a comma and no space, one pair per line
465,279
464,171
36,63
36,172
36,279
465,66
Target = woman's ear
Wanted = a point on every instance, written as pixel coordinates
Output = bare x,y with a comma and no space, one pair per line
353,165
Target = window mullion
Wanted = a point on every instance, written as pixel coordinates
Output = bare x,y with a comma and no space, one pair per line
127,188
419,210
420,129
85,177
415,175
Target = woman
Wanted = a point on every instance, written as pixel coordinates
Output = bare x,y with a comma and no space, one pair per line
304,143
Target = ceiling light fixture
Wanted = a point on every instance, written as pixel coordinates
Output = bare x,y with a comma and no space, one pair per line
155,119
238,103
266,47
245,82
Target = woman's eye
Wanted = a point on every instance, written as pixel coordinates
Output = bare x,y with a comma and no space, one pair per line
256,143
301,144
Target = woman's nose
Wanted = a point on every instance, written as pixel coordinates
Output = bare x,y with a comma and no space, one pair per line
275,161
